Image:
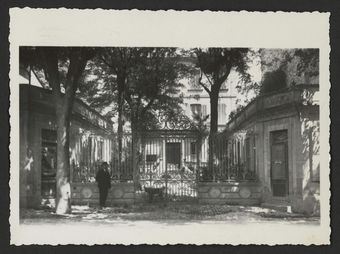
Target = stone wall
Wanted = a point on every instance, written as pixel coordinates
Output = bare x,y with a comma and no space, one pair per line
241,193
88,193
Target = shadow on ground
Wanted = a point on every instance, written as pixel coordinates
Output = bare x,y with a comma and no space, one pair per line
173,213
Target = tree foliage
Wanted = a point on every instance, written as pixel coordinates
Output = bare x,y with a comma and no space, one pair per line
154,86
301,66
151,86
216,65
273,81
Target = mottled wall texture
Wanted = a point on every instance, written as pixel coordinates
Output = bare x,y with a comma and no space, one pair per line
293,114
90,144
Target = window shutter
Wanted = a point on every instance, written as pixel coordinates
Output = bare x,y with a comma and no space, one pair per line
187,109
224,112
221,113
204,110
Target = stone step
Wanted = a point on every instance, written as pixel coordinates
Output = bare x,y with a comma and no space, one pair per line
278,207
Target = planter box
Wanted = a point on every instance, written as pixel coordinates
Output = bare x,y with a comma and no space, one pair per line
88,193
240,193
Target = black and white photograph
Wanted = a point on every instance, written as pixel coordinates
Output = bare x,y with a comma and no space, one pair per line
203,142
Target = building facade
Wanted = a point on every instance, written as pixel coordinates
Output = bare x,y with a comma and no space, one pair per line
275,141
90,144
197,101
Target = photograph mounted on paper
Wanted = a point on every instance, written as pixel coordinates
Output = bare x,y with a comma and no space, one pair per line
156,139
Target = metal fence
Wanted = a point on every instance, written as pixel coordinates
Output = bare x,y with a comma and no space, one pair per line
171,162
234,159
176,161
122,164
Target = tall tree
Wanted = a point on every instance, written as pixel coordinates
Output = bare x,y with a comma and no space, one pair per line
63,68
216,65
151,79
153,84
120,60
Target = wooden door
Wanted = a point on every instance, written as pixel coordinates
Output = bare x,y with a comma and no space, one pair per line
279,163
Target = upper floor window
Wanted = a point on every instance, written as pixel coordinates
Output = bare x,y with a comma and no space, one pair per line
222,114
194,80
196,109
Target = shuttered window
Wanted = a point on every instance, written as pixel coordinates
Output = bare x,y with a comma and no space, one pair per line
196,109
222,117
204,110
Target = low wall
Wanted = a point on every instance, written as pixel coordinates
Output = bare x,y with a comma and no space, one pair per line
88,193
236,193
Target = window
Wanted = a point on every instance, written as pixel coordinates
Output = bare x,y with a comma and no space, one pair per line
248,155
204,110
194,80
100,150
193,148
254,154
238,154
90,157
196,109
222,117
151,158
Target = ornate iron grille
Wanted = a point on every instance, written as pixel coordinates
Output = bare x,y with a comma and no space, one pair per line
171,162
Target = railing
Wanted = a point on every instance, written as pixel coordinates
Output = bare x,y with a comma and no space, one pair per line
169,161
120,166
229,163
176,162
122,162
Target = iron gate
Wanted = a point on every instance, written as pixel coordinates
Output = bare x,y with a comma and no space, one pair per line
171,162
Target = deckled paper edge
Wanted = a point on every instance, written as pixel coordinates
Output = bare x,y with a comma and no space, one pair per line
54,30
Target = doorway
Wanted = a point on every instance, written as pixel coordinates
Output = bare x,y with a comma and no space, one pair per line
173,156
279,163
48,163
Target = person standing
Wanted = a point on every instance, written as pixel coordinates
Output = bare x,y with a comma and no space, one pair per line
104,183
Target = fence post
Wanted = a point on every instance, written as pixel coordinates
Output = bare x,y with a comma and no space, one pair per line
198,155
135,173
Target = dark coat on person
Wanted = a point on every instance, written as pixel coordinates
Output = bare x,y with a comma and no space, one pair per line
103,179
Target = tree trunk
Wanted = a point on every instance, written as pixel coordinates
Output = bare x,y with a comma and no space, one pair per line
135,139
63,104
198,157
213,129
120,129
214,113
63,195
121,84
